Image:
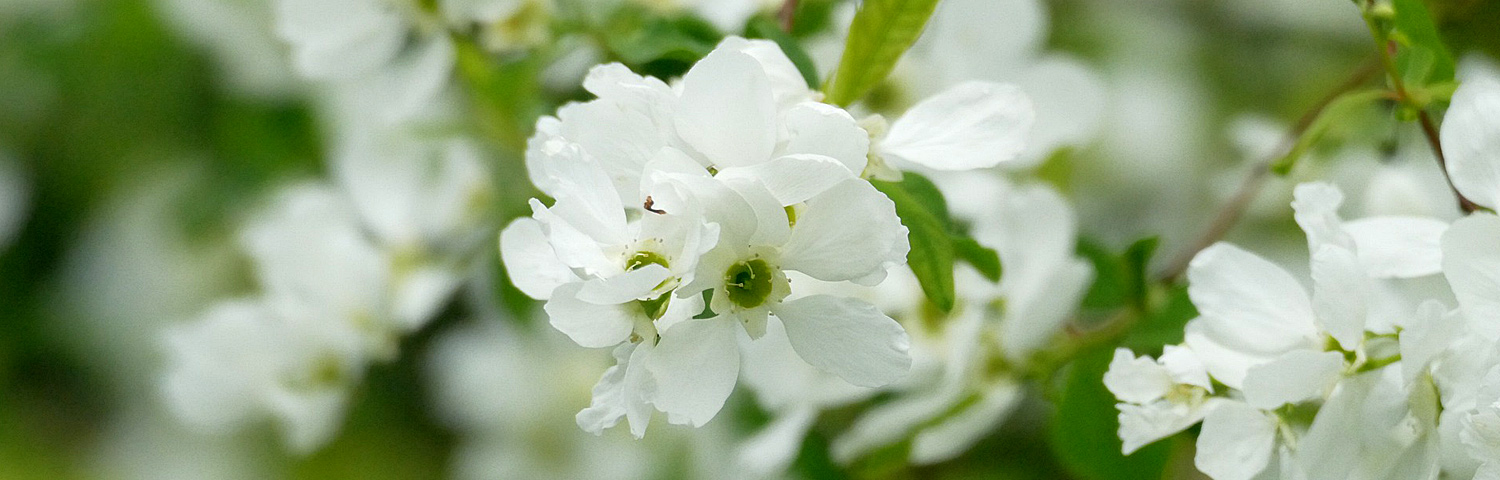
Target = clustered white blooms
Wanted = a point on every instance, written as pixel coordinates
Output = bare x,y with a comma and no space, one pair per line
343,277
684,212
1369,376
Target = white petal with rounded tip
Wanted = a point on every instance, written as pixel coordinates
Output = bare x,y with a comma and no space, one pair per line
590,325
1398,247
1341,294
726,111
1136,379
631,285
824,129
793,179
586,198
1471,141
972,125
695,365
1291,378
847,232
1249,303
529,260
1236,442
846,337
786,81
1472,264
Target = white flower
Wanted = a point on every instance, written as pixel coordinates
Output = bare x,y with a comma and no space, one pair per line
245,360
718,185
1158,397
1471,140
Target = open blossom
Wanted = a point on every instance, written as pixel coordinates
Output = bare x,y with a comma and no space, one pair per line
720,184
1337,351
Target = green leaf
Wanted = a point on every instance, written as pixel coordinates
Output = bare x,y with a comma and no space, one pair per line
932,251
1341,108
766,28
1423,58
1163,326
882,30
1084,430
982,258
1136,260
1109,290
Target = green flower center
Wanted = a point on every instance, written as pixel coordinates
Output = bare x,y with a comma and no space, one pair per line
655,307
641,259
748,283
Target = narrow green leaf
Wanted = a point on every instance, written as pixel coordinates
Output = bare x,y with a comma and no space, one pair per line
882,30
931,256
1342,107
1164,326
766,28
982,258
1422,58
1084,430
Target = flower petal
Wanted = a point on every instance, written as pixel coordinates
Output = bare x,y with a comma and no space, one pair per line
529,260
972,125
1248,303
1399,247
1316,207
1472,264
1341,294
846,337
1136,379
726,111
632,285
1471,140
591,325
824,129
1236,442
695,365
793,179
845,233
1291,378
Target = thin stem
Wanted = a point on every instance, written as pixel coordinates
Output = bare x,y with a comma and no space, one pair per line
1229,214
1386,47
787,15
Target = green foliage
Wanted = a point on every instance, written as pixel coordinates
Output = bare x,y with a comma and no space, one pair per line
1164,325
1339,111
931,256
983,259
935,239
1422,59
651,44
882,30
1083,432
1120,280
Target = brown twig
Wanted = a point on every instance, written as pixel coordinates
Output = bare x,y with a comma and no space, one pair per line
787,15
1229,214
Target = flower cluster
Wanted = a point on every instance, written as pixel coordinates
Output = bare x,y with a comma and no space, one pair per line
683,213
1368,375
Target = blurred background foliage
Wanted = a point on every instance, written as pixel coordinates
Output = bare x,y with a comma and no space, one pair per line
100,98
